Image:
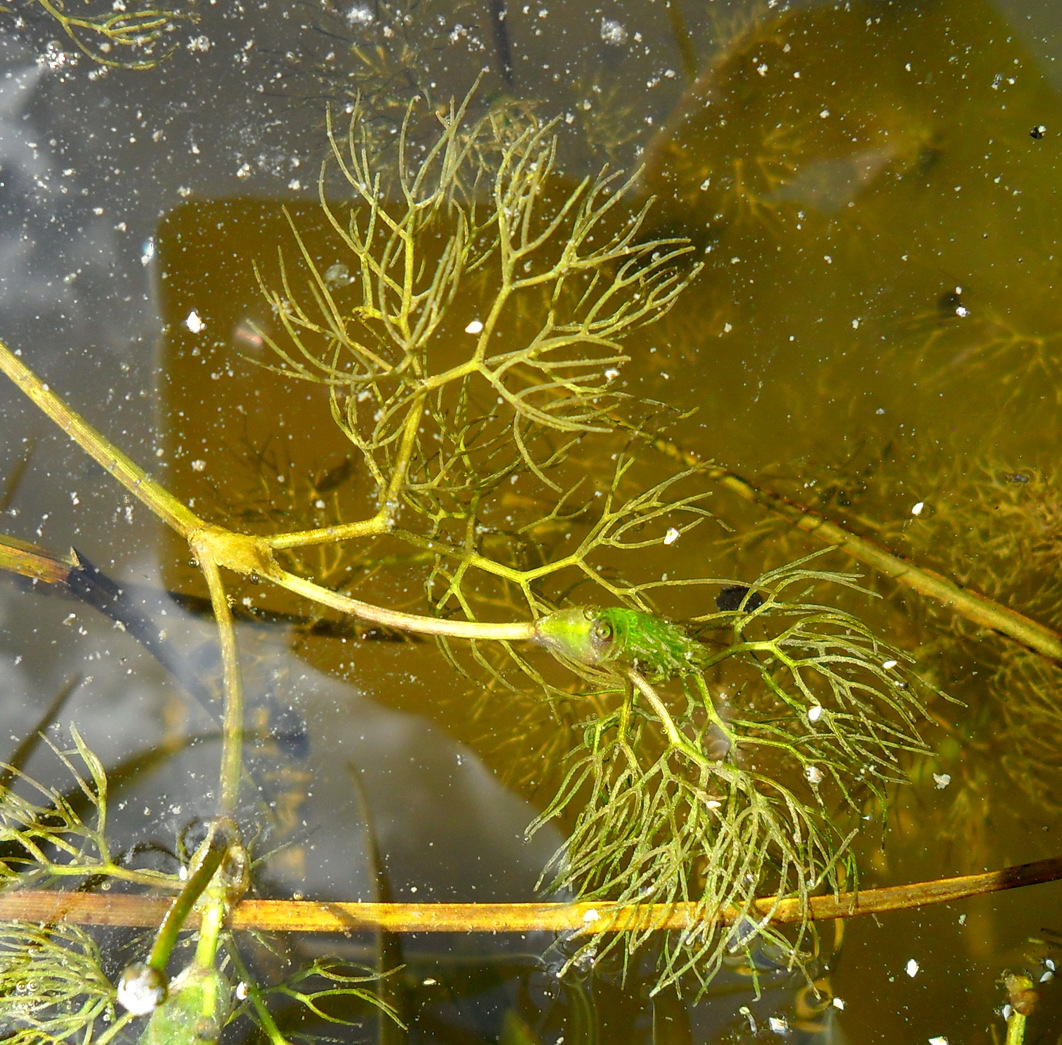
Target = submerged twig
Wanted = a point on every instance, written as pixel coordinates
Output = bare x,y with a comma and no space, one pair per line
977,608
53,907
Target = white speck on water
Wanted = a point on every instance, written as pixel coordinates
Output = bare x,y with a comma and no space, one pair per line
475,327
939,1040
918,508
888,665
815,775
241,991
54,57
612,32
779,1024
198,465
338,275
194,323
911,968
359,14
814,712
941,780
838,1003
671,536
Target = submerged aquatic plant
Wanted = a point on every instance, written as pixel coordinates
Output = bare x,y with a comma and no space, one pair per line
52,987
674,793
680,793
469,340
134,36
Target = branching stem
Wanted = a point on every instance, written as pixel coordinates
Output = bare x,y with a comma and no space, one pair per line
216,546
213,853
674,734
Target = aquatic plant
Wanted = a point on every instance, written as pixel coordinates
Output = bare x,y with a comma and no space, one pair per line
133,36
470,356
385,53
52,987
52,984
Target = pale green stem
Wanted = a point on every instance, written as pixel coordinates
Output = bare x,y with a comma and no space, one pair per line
378,525
105,870
232,724
240,552
1017,985
211,922
186,900
265,1018
134,22
710,710
114,1030
410,427
676,737
1015,1028
145,489
974,607
383,521
519,631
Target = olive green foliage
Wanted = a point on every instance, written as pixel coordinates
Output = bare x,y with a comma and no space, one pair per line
52,984
393,50
132,36
58,834
324,987
469,343
52,987
680,793
470,339
1028,687
1009,510
471,334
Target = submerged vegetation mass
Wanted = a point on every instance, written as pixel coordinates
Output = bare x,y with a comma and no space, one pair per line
714,742
675,794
